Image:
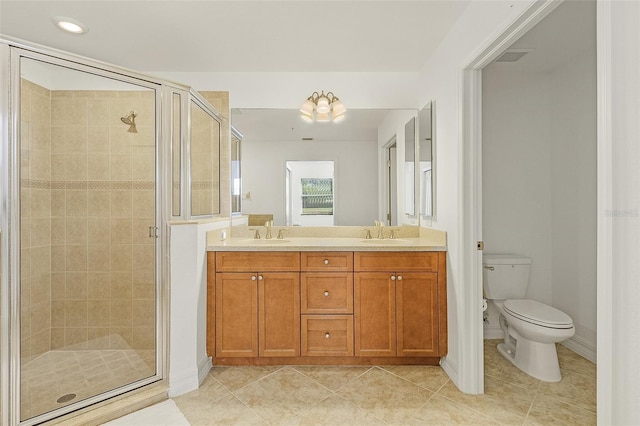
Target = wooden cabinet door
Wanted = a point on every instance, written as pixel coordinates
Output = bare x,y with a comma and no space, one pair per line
374,314
417,313
236,314
279,308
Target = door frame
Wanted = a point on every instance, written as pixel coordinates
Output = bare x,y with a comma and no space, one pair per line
471,363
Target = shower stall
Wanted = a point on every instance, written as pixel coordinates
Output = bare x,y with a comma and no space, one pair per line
95,162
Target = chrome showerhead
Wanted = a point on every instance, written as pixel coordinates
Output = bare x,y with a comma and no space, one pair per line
130,120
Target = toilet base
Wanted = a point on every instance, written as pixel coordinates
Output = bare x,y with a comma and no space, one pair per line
539,360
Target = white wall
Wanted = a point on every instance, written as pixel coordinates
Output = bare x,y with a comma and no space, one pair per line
516,171
539,182
358,90
574,183
188,360
355,174
440,81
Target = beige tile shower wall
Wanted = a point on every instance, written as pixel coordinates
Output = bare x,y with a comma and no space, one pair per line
35,242
102,205
220,101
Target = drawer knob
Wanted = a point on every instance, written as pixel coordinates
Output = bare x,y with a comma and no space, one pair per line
327,335
326,261
326,294
399,277
259,277
393,277
253,277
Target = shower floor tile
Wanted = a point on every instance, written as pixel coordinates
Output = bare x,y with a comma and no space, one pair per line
48,381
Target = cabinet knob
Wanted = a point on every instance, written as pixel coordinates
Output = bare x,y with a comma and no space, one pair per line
253,277
326,261
393,277
259,277
399,277
327,335
326,294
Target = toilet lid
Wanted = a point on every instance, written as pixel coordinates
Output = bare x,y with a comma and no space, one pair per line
538,313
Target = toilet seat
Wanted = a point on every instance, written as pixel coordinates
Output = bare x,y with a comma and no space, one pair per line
538,313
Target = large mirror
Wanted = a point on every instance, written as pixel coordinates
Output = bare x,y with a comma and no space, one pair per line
409,167
236,170
273,137
426,166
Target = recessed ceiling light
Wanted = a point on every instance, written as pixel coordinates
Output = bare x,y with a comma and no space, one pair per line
70,25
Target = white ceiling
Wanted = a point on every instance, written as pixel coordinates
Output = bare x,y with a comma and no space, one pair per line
282,36
242,36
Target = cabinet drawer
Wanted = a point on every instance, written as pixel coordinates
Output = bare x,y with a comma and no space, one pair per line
395,261
326,261
327,335
326,293
264,261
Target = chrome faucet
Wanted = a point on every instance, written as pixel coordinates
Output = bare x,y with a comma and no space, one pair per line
268,224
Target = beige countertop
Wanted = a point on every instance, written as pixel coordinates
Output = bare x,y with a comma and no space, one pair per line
327,244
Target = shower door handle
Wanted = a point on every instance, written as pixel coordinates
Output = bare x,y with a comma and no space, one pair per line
153,232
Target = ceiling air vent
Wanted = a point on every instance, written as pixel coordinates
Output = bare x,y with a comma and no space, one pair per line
512,55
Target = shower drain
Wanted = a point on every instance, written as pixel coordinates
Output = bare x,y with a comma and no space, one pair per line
66,398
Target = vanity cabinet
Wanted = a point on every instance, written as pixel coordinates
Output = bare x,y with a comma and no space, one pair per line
322,307
257,313
397,304
326,281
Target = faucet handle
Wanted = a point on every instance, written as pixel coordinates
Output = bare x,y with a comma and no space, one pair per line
392,234
367,234
256,236
280,233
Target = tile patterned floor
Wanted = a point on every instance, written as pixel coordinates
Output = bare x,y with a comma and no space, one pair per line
392,395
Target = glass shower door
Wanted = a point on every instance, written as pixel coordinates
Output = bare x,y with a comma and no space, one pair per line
88,297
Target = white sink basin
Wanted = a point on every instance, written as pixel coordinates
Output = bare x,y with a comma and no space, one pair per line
265,242
386,241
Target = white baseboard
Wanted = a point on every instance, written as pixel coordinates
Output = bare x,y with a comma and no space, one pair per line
493,332
451,368
203,368
183,382
582,347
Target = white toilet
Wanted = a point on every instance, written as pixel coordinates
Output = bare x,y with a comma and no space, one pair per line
531,329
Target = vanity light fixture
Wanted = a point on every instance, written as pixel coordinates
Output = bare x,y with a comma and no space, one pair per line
322,108
69,25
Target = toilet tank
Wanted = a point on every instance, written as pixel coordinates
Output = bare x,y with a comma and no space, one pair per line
505,276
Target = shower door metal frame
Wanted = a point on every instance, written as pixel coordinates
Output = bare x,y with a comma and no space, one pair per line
11,52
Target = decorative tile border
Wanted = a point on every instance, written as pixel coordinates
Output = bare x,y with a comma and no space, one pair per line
88,184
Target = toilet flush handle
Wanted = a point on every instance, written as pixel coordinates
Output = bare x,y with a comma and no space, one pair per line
491,268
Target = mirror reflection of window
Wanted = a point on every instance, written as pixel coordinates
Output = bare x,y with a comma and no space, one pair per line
317,196
310,193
